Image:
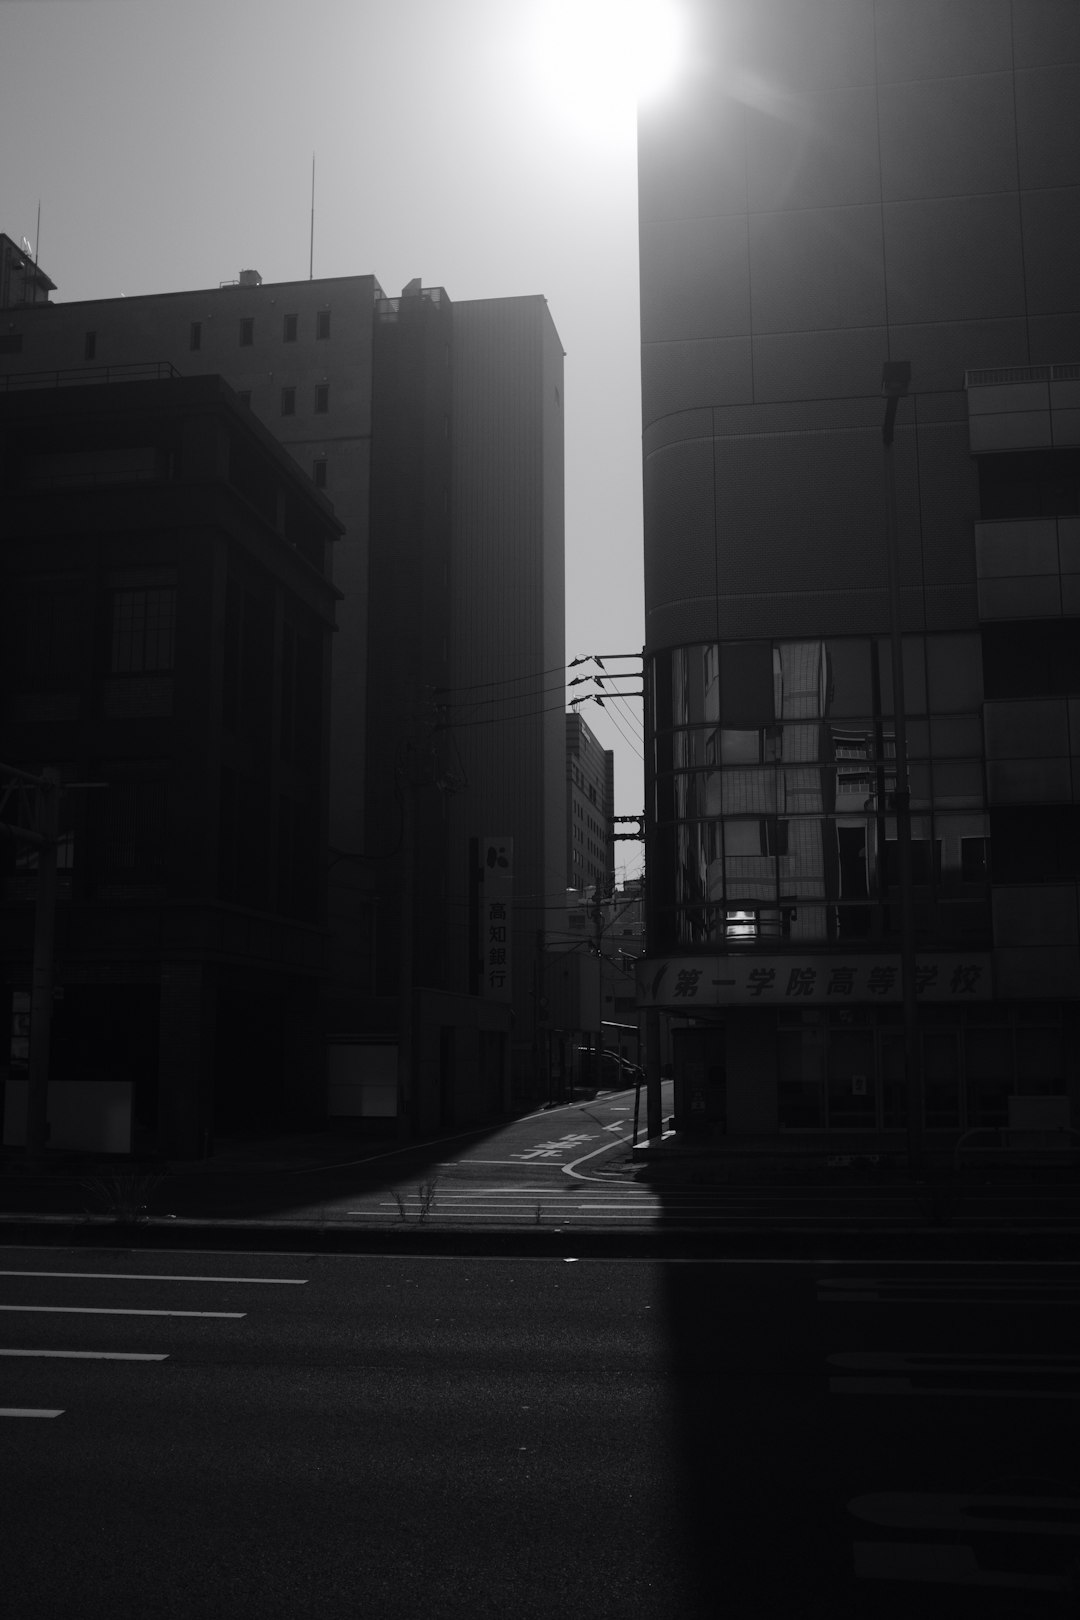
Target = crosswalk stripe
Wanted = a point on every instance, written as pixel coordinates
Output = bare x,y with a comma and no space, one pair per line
103,1310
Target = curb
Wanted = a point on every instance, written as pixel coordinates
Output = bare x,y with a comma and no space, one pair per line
798,1243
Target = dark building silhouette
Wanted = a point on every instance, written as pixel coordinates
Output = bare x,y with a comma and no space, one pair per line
436,430
833,186
167,617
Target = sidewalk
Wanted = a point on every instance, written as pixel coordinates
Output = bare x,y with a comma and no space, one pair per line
270,1193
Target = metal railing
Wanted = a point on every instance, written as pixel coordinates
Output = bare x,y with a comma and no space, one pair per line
136,371
988,377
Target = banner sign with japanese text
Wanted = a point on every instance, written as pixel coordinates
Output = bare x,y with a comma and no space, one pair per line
496,904
683,983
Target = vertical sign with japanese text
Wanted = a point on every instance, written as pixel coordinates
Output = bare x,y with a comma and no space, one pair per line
497,892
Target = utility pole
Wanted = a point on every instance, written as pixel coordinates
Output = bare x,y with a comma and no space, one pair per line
405,1059
895,380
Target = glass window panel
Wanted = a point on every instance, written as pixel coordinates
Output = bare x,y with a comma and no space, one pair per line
918,739
742,837
914,676
800,1078
1039,1060
849,687
941,1076
893,1083
958,784
958,736
803,791
746,684
954,667
852,1089
740,747
803,680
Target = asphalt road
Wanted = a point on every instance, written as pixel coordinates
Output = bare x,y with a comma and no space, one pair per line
434,1436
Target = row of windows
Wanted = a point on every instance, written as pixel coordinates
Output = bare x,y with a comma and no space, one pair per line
852,1078
321,400
11,343
290,329
757,686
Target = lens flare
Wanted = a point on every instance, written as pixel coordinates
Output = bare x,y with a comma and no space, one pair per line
599,58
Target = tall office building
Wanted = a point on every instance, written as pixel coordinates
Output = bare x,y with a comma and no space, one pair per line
590,810
835,184
436,432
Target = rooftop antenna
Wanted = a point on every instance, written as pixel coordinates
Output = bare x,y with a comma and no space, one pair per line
37,246
311,250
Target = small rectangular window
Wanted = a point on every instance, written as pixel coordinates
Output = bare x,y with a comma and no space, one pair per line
195,335
143,631
244,396
322,398
90,346
322,323
289,326
247,331
11,343
318,472
288,402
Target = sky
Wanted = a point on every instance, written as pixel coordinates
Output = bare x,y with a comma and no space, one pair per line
486,146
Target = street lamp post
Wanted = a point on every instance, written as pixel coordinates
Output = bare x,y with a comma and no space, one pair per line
895,380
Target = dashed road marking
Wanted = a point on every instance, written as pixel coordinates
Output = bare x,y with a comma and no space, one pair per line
105,1310
31,1411
155,1276
89,1355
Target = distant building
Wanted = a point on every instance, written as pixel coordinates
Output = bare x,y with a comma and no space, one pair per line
590,809
436,431
167,614
832,187
21,282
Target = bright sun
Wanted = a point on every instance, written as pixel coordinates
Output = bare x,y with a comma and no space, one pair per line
600,58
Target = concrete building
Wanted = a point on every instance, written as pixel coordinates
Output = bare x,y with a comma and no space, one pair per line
590,809
436,431
833,186
167,616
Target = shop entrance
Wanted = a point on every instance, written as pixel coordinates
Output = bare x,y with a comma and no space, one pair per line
699,1058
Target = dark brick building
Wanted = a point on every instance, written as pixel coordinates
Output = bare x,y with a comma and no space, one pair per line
167,615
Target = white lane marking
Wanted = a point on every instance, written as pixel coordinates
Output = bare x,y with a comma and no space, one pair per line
917,1510
904,1386
88,1355
514,1164
969,1291
1015,1283
102,1310
931,1361
572,1169
31,1411
156,1276
918,1372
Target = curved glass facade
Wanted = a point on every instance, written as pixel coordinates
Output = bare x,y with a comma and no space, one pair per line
771,774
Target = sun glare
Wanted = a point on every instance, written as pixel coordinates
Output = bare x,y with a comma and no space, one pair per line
599,58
